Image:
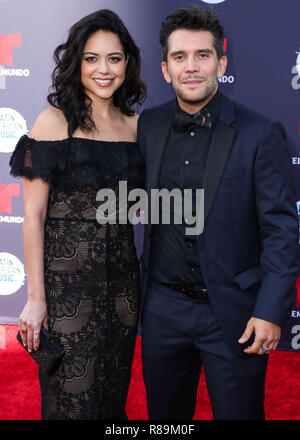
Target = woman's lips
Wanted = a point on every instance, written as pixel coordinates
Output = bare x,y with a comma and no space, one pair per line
103,82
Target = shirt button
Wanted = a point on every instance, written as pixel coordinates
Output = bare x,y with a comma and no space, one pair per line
187,162
192,133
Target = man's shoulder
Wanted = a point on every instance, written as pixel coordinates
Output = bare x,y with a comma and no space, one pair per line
245,114
157,111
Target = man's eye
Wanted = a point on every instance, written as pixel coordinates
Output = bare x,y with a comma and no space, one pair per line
203,55
178,58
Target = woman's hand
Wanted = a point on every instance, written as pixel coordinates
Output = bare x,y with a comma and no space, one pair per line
33,316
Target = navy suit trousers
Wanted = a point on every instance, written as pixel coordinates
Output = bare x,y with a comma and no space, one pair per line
179,336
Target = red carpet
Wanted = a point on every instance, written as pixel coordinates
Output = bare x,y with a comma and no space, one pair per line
20,393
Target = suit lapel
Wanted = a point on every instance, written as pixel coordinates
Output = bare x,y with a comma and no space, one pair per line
159,143
158,147
220,147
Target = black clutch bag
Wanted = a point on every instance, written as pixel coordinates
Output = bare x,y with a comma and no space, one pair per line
49,354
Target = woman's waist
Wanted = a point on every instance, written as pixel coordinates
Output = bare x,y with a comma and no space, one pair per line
81,226
71,218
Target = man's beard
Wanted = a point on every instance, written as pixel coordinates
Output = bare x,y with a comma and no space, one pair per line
202,96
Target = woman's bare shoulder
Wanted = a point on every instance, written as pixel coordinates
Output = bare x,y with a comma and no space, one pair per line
132,121
51,125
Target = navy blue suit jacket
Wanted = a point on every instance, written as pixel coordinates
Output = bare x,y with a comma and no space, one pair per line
248,249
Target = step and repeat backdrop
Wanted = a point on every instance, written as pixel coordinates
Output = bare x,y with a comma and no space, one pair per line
263,46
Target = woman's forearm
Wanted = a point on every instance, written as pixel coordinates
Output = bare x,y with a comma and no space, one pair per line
33,241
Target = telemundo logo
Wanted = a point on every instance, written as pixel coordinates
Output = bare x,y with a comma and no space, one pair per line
226,79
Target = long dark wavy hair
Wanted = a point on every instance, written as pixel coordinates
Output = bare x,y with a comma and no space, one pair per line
67,92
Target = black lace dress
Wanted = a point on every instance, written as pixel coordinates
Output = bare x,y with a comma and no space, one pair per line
92,278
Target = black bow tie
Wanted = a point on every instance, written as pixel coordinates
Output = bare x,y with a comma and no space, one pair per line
184,122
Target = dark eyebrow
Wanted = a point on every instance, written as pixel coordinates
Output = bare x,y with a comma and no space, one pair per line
90,53
205,50
116,53
94,53
178,52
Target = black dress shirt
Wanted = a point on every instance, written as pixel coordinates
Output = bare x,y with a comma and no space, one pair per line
174,256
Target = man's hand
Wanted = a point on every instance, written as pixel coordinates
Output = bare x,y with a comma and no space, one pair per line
266,333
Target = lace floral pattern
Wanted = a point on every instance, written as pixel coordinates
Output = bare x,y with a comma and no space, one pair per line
92,277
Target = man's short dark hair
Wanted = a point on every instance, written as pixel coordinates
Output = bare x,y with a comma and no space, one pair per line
196,19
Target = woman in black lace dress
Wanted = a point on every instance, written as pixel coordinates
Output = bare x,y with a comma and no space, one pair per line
83,277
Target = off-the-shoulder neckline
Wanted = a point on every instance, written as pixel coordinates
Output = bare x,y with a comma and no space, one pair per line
81,139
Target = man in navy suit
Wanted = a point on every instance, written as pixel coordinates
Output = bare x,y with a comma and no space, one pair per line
217,299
